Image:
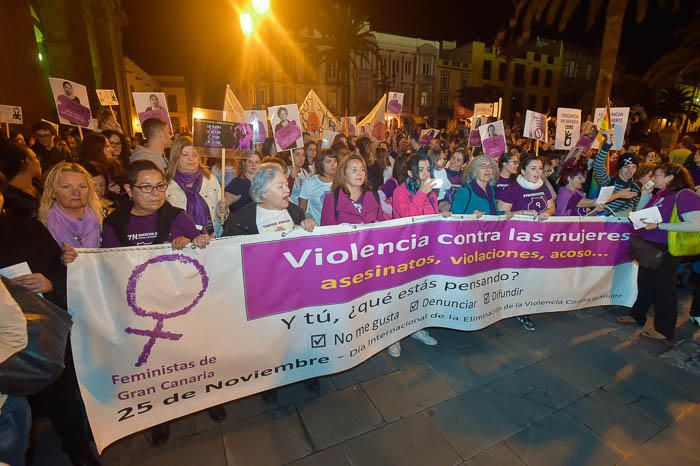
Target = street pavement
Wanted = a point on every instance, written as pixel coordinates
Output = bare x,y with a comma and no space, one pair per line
580,390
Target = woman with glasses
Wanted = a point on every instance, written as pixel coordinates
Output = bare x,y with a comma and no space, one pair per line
193,188
478,195
120,146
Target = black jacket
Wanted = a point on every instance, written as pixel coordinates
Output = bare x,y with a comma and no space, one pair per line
243,221
119,220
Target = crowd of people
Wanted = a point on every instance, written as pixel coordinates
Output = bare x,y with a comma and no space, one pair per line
59,193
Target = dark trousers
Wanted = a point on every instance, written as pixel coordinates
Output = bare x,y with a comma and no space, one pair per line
658,287
15,421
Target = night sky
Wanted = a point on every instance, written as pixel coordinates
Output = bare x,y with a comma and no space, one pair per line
201,40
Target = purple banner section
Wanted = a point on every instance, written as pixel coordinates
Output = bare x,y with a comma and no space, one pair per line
337,268
73,111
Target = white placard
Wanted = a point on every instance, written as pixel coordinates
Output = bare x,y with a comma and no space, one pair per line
618,117
568,128
72,103
107,97
640,218
535,126
11,114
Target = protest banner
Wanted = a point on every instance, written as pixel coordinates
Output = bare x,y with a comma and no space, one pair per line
152,105
107,97
493,138
535,126
72,103
222,134
348,125
10,114
258,120
286,127
374,125
315,116
395,104
232,107
568,128
618,119
340,295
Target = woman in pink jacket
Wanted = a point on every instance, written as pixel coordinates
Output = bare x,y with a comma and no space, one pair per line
350,199
416,197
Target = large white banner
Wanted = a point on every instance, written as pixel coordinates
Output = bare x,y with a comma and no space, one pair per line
159,334
568,128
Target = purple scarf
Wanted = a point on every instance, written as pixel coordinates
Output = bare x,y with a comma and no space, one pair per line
196,205
83,233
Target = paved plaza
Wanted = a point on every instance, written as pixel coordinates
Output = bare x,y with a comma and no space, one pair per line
580,390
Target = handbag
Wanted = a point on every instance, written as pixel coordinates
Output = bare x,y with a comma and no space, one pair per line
646,254
42,361
682,243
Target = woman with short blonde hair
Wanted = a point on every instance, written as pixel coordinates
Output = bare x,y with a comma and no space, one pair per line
70,208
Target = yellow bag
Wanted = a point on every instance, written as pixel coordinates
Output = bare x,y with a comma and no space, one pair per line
682,243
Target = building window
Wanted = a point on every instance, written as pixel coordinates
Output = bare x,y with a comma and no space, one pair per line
260,98
464,80
444,80
333,99
407,68
427,68
502,71
532,102
550,60
487,69
385,67
289,63
443,101
548,78
519,77
332,70
538,57
172,103
535,81
395,66
289,94
545,104
175,121
589,71
571,69
424,99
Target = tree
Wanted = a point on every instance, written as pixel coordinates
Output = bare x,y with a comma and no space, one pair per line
529,10
344,37
673,102
682,62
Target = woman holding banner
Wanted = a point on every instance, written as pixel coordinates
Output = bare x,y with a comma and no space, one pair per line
351,199
478,195
414,197
193,188
656,283
528,196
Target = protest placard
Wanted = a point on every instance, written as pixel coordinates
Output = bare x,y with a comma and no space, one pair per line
535,126
348,125
222,134
107,97
568,128
152,105
493,138
286,126
395,103
618,120
258,120
72,103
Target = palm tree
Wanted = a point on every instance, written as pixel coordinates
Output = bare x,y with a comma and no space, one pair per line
673,102
681,63
529,10
344,37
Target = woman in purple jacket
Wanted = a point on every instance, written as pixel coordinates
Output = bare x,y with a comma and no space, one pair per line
350,199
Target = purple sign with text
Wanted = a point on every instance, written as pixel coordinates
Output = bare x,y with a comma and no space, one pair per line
334,269
73,111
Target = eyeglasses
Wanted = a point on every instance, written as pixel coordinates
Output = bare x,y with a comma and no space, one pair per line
148,188
118,143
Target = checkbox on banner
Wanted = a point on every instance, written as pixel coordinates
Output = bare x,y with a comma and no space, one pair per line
414,306
487,298
318,341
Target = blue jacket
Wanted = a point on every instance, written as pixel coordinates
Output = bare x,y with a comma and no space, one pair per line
471,197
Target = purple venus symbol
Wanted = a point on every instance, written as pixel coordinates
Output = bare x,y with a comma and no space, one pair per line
159,317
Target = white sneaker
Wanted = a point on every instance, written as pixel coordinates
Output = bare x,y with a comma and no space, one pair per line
395,350
424,337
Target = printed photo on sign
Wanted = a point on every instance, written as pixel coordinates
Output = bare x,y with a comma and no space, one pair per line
258,120
286,127
619,117
222,134
427,135
395,104
72,102
152,105
107,97
349,125
568,128
493,138
11,114
535,126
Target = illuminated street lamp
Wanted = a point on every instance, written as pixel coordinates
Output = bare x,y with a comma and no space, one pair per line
246,24
261,6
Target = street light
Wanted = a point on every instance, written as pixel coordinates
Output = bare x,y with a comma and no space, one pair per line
261,6
246,24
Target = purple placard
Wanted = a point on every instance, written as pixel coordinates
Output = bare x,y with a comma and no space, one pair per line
394,107
421,248
287,136
474,138
159,113
76,113
494,146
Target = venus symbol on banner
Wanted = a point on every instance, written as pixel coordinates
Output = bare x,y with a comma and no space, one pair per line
160,317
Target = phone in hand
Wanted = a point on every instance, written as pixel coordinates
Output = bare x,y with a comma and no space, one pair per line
648,186
437,183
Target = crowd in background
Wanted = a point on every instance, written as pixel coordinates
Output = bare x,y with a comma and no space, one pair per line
59,193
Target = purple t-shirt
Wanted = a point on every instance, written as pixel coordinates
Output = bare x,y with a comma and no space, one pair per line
526,199
567,201
143,230
502,184
687,201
